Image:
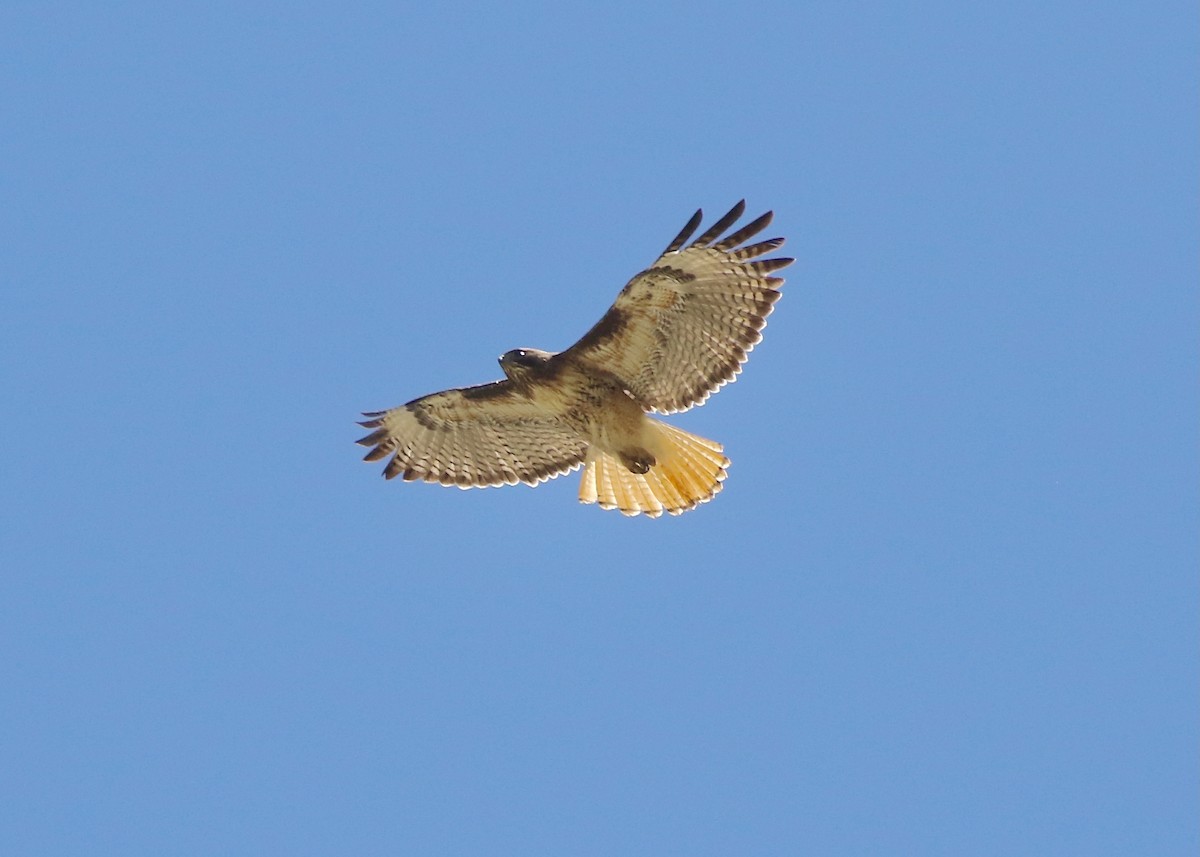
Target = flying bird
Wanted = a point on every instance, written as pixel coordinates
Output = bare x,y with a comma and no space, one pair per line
677,332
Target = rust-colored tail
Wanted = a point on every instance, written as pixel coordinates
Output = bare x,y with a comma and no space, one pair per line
688,471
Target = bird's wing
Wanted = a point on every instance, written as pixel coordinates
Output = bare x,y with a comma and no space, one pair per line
683,327
473,437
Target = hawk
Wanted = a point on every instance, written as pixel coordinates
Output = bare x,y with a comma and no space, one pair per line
677,332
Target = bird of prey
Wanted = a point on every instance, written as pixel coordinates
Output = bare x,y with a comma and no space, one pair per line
677,332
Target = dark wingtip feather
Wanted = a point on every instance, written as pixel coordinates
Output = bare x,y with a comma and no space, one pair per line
373,438
746,232
766,266
686,232
378,453
751,251
714,231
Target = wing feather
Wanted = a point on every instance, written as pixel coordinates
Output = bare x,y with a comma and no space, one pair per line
683,327
685,233
746,232
717,229
473,437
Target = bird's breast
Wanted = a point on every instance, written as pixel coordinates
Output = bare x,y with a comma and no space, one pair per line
591,402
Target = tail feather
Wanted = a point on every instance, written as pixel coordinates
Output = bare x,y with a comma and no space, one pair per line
644,493
688,471
665,490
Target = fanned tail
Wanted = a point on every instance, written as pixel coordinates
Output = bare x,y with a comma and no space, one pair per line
688,471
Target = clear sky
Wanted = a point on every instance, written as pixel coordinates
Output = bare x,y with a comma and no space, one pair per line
946,603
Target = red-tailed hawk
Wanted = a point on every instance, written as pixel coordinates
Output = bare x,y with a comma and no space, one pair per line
677,331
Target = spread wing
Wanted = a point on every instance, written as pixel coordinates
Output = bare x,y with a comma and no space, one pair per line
683,327
474,436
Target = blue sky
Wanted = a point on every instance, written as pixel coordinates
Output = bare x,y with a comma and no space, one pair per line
946,603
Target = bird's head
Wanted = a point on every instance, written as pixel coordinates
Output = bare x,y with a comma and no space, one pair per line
519,363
